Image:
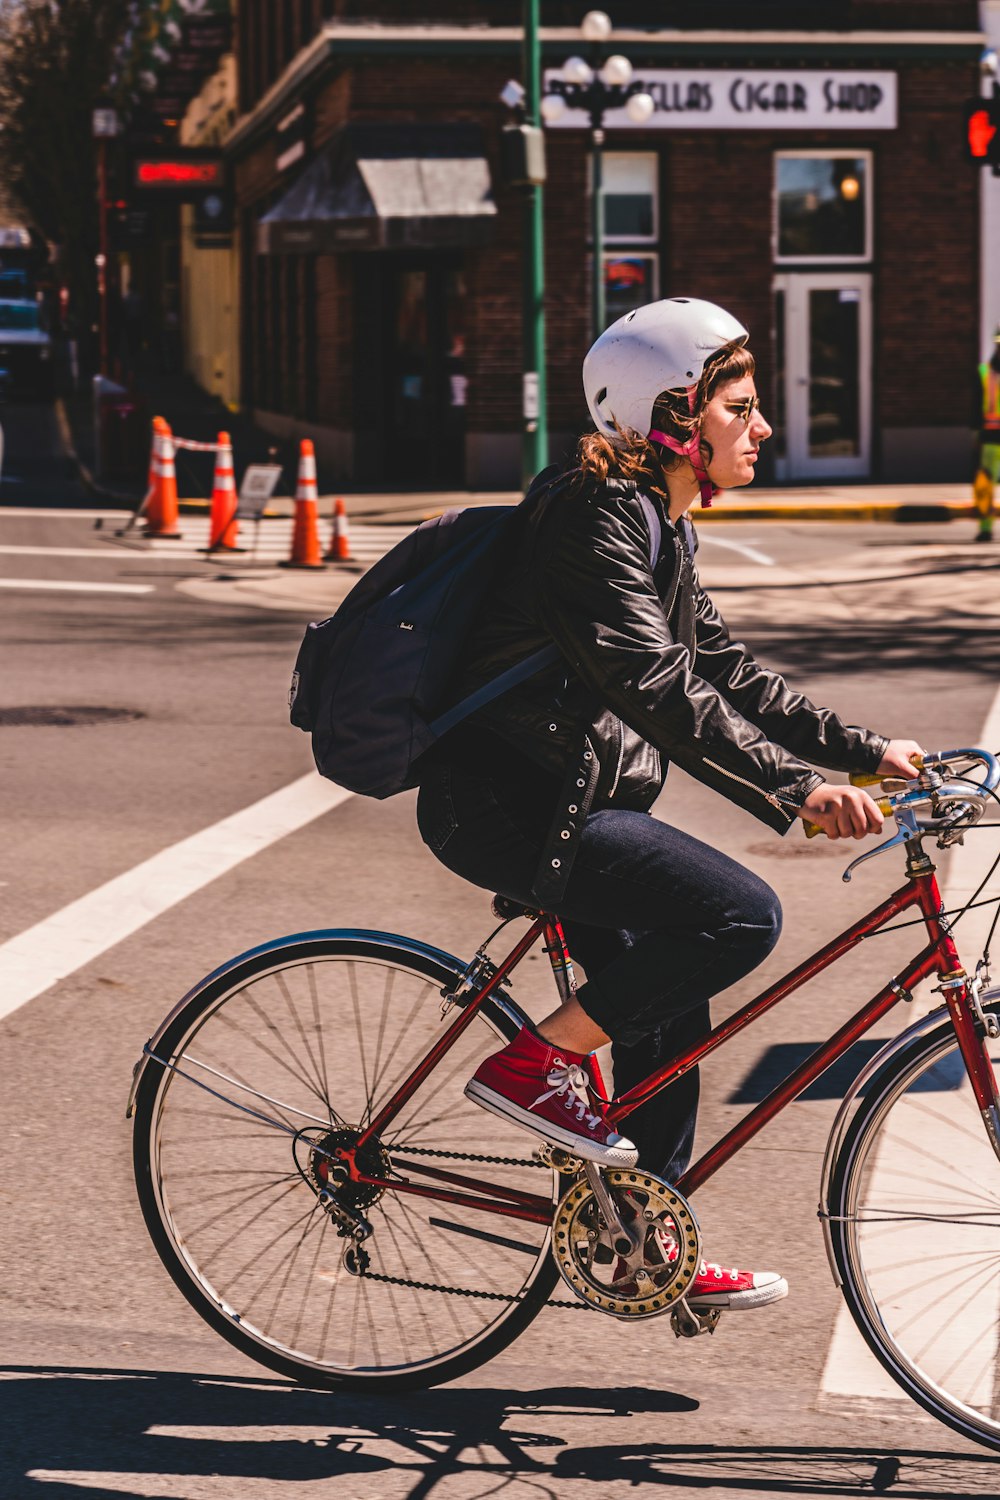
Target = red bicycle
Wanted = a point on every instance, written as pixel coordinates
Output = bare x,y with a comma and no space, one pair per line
326,1198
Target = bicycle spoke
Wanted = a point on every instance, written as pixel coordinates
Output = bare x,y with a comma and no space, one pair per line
270,1052
314,995
286,993
255,1238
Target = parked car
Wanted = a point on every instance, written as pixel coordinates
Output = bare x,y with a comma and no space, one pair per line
25,348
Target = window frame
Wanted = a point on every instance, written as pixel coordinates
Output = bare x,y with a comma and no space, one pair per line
824,153
626,239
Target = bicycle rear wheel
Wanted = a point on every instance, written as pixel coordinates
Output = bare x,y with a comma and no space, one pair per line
260,1074
915,1231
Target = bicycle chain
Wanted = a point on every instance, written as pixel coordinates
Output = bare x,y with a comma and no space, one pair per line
493,1161
461,1291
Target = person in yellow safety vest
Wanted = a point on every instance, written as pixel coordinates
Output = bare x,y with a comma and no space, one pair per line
989,439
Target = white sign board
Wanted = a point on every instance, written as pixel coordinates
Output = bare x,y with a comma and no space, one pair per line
259,483
783,99
104,123
529,395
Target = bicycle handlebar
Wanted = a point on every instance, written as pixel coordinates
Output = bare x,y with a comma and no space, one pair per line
966,799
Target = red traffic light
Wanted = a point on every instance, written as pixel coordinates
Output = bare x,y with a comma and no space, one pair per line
981,132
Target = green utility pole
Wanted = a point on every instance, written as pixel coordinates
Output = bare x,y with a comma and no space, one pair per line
535,448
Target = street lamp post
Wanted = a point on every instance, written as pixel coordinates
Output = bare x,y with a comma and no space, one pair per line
597,89
104,127
535,440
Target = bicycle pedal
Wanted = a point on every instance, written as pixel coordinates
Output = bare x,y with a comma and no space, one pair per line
559,1160
688,1324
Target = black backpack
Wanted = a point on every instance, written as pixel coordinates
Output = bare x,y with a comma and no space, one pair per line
371,682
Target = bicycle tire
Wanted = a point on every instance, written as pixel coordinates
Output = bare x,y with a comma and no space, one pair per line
494,1274
915,1234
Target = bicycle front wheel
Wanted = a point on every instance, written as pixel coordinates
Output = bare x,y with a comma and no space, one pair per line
915,1230
261,1074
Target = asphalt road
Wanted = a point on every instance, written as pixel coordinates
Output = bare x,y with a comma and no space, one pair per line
112,1385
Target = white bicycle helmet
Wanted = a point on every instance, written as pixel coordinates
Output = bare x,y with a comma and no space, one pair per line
663,346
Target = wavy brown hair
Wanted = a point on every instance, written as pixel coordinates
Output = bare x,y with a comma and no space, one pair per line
632,455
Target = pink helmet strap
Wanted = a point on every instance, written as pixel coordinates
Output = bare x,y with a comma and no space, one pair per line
691,450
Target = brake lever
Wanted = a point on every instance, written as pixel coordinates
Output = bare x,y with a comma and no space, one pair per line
907,828
897,838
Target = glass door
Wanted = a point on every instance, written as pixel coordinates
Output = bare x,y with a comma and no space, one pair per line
427,384
410,371
823,363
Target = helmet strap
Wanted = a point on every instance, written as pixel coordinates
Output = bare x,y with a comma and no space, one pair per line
691,450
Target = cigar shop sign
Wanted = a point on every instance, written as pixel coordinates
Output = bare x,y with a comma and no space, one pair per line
787,99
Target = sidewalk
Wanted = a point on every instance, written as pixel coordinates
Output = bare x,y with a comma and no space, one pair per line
192,413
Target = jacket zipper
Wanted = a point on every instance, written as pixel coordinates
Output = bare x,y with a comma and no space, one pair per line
768,796
621,757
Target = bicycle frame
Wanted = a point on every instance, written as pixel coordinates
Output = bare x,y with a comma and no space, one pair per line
939,955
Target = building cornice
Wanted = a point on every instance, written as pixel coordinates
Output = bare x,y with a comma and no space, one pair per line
337,44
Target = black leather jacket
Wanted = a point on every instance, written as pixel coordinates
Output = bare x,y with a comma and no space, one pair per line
650,673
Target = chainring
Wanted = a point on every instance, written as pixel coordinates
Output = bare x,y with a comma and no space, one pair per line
653,1277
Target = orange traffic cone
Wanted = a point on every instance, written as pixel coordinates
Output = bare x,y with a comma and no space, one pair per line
150,507
224,526
305,537
340,537
161,516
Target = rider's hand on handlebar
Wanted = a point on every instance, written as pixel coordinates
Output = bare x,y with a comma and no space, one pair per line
843,812
898,759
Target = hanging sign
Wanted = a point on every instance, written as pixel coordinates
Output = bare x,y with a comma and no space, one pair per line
719,99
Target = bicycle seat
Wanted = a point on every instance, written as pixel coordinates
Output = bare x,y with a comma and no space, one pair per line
506,909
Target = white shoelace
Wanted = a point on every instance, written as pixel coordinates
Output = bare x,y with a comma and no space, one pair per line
570,1082
668,1247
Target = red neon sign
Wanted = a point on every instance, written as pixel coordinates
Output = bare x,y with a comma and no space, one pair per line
177,173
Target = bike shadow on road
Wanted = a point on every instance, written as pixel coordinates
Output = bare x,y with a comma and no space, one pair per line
105,1433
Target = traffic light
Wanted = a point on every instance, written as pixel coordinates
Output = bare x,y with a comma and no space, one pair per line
522,155
982,130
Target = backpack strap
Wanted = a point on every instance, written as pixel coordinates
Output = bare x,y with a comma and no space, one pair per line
652,514
547,656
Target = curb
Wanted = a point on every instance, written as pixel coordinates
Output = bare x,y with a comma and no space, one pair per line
900,512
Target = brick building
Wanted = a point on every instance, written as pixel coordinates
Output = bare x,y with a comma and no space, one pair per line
809,178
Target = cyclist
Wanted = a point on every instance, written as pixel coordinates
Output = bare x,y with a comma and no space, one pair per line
543,795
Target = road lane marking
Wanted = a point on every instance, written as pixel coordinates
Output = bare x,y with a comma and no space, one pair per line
14,551
79,588
851,1369
744,548
44,512
39,957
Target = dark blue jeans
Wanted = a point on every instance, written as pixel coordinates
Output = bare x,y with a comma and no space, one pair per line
659,921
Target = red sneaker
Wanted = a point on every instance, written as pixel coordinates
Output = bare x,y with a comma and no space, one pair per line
716,1286
547,1090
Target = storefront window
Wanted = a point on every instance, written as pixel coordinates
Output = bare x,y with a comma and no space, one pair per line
629,191
629,282
823,206
631,223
